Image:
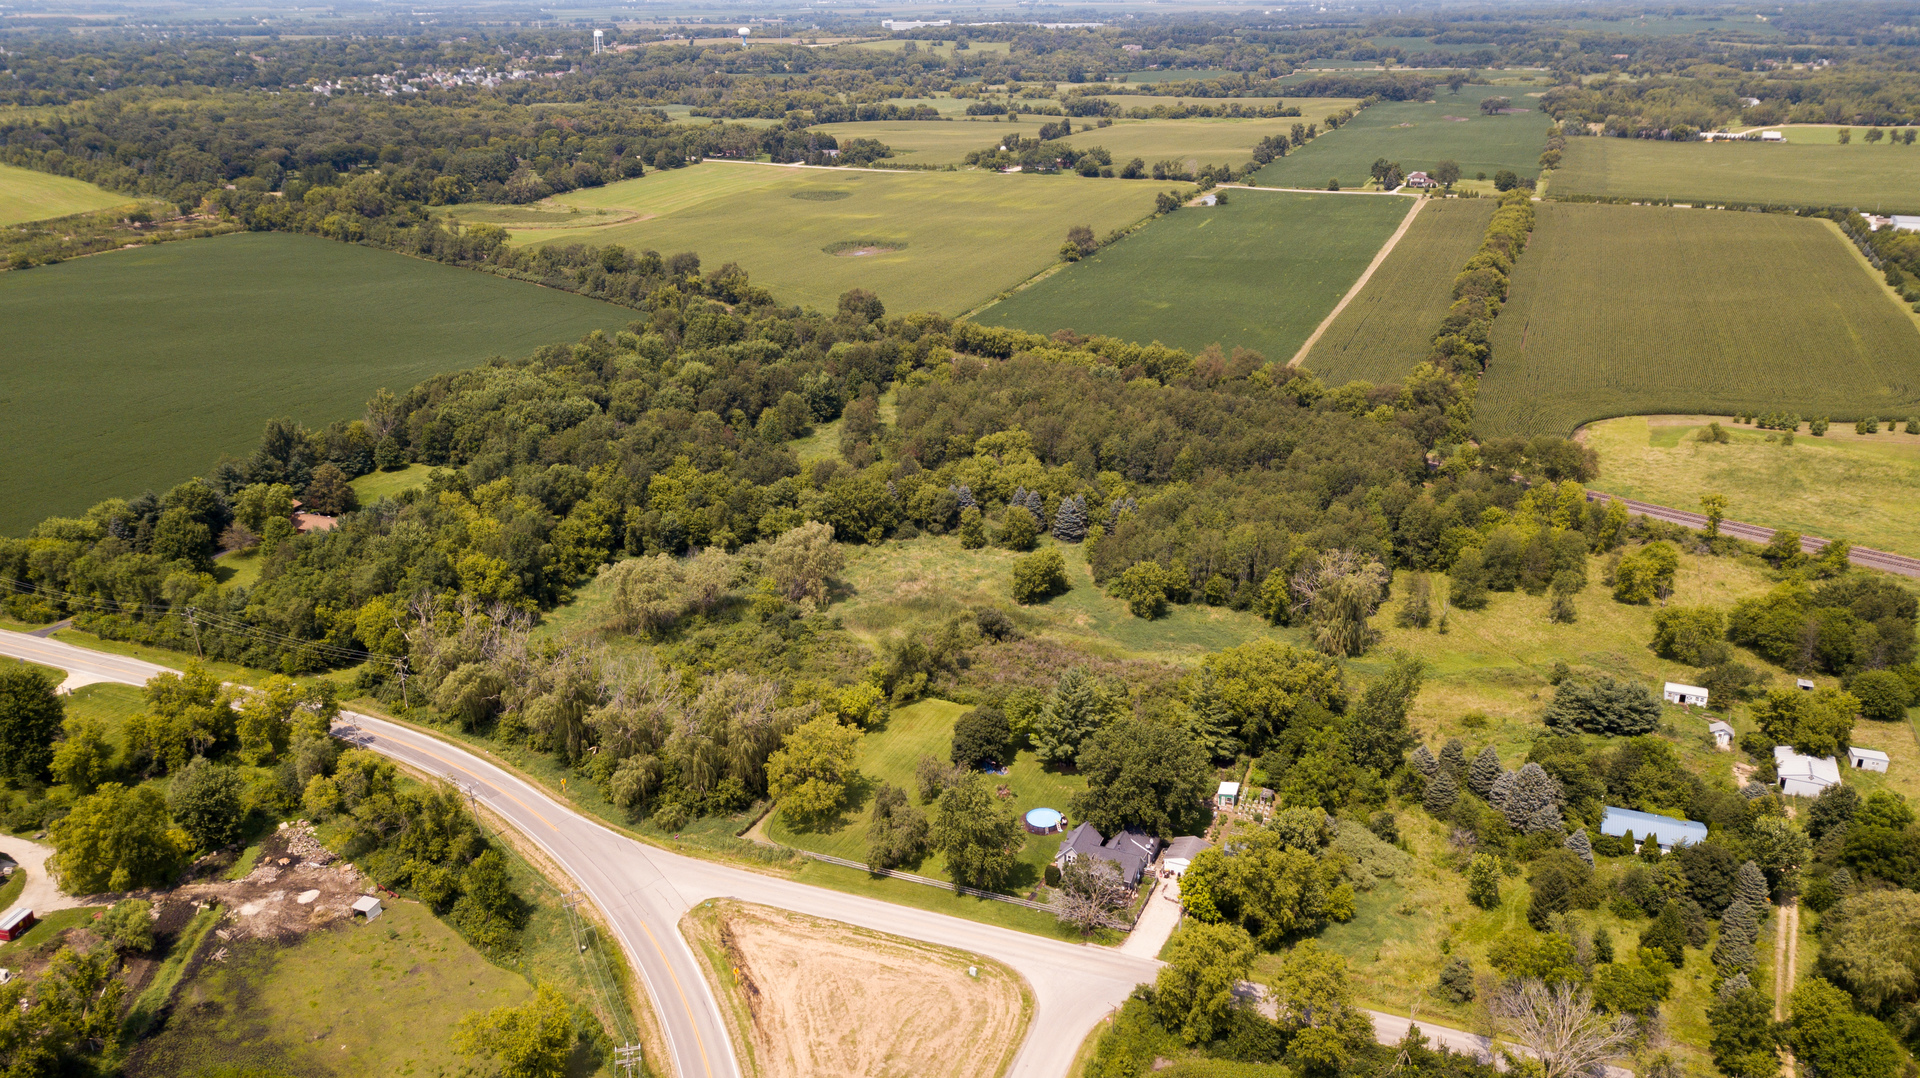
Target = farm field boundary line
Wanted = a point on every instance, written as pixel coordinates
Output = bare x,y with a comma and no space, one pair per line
1365,276
1864,557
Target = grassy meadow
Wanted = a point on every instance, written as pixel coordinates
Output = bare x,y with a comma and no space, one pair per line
26,195
1808,170
1418,135
956,238
1637,310
1389,326
1858,487
1260,272
139,368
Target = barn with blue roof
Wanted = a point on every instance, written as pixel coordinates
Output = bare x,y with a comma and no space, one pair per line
1666,830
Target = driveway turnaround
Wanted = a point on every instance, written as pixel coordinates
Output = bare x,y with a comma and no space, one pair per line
643,891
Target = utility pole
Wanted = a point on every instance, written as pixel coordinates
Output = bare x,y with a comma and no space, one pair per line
627,1058
195,622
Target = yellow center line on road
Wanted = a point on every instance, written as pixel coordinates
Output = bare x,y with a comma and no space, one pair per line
477,776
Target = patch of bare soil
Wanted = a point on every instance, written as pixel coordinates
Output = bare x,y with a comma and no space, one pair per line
862,252
831,999
296,886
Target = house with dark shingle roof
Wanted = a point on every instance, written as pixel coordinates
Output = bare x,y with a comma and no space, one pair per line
1129,851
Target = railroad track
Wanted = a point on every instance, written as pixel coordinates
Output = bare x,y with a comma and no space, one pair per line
1865,557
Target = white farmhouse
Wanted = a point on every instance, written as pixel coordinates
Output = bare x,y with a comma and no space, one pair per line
1804,776
1689,695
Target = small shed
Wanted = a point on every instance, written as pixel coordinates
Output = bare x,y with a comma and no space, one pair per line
1772,136
369,906
1228,795
1722,735
1687,695
1804,776
16,923
1803,684
1867,759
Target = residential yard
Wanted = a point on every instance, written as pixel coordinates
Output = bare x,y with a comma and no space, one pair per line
1418,135
1857,487
890,754
811,997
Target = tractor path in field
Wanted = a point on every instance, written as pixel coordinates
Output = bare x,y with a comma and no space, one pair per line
1366,275
1786,960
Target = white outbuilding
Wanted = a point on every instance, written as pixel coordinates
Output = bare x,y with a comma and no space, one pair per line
367,906
1228,794
1722,735
1804,776
1688,695
1867,759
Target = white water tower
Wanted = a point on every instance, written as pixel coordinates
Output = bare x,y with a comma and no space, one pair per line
599,42
743,32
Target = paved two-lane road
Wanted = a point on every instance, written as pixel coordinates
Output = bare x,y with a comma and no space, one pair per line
643,891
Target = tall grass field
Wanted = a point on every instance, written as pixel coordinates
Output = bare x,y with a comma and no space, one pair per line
1387,330
1635,310
1260,272
26,195
1808,170
1418,135
943,241
137,369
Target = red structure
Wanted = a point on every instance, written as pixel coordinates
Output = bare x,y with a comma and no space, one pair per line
16,923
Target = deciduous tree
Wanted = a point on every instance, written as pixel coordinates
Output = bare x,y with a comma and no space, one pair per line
1194,991
533,1040
115,840
809,773
30,717
978,834
1142,774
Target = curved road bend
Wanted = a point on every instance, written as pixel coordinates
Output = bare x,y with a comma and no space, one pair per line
1865,557
643,891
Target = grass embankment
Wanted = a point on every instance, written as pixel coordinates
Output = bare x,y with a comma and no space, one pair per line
805,996
1260,272
1637,310
1809,170
1388,328
374,486
955,238
26,195
1418,135
153,999
10,890
1858,487
136,370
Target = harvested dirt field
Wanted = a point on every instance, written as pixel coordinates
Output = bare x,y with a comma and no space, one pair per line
824,998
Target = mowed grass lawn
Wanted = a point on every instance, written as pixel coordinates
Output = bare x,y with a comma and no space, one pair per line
1388,328
137,369
1857,487
1419,135
1260,272
1809,170
890,754
26,195
1639,310
957,238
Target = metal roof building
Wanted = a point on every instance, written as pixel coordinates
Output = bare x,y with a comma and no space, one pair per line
1666,830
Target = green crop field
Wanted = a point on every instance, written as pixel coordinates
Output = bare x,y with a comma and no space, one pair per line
1260,272
1657,26
1388,327
1857,487
1418,135
1192,142
950,240
1803,172
1175,74
137,369
26,195
1635,310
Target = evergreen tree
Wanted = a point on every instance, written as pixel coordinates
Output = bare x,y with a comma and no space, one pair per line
1454,757
1743,1032
1650,849
964,496
1581,845
1417,611
1602,944
1750,885
1739,922
1668,935
1501,790
1442,792
1070,520
973,529
1072,713
1485,771
1424,762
